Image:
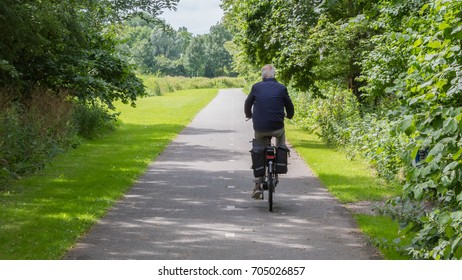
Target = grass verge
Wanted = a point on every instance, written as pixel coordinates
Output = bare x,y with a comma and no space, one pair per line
42,216
350,181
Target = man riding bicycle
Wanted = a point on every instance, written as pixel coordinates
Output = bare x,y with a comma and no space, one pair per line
268,99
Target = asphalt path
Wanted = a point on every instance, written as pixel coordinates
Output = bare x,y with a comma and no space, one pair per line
194,202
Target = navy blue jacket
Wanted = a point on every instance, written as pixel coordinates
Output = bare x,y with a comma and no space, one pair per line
268,98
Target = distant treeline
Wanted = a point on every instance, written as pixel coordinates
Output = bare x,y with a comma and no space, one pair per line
158,49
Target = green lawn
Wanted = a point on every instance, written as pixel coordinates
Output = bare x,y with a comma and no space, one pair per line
350,181
43,215
383,232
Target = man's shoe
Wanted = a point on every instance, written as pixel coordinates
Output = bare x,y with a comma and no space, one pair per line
256,194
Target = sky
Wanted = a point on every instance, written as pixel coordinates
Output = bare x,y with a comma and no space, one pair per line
196,15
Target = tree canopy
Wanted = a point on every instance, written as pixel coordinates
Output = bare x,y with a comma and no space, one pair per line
70,45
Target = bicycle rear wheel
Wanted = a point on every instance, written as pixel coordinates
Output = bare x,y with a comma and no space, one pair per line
270,191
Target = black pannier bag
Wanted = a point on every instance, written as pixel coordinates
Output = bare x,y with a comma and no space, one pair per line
282,153
258,159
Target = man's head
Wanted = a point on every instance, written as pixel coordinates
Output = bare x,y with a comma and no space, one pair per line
268,71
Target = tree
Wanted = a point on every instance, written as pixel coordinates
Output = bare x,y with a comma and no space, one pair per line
196,57
275,32
70,45
304,39
155,48
219,59
169,52
149,10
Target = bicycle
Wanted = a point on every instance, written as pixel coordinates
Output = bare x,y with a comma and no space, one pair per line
270,180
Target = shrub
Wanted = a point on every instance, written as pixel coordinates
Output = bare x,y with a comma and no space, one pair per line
158,85
374,138
328,117
432,117
93,120
33,130
340,121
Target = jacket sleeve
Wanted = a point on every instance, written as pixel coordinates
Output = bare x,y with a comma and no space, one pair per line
248,105
289,106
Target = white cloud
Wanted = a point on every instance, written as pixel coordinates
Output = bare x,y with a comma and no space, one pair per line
196,15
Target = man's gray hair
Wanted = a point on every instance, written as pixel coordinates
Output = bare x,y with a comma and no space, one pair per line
268,71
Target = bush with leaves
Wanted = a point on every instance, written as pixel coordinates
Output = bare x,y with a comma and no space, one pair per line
330,116
337,119
34,131
93,120
431,115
